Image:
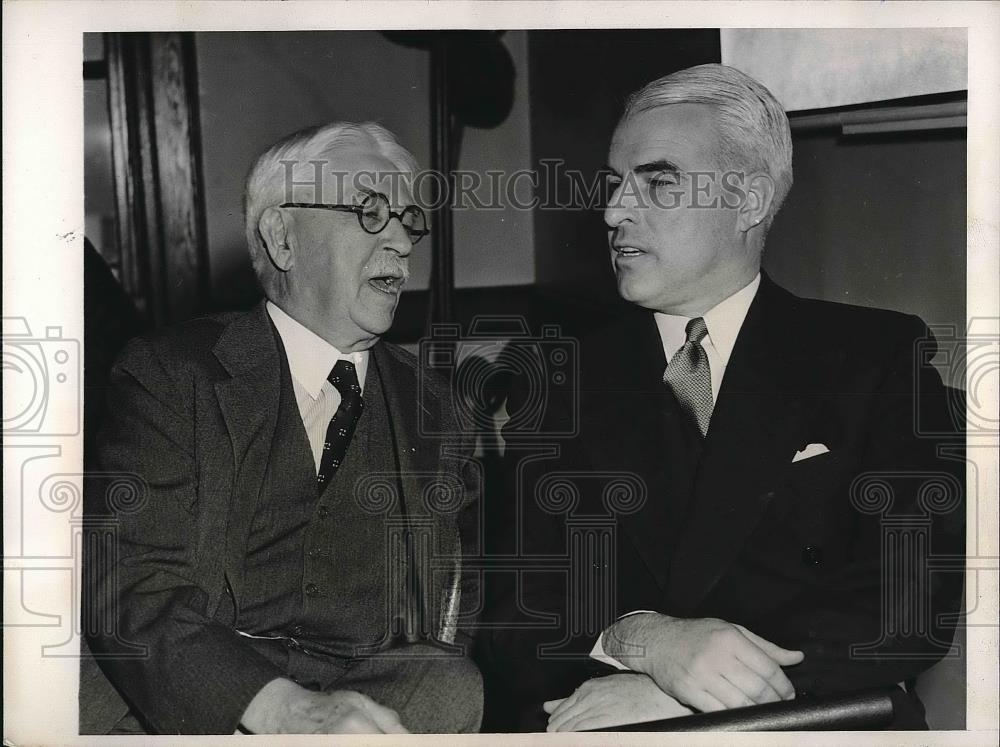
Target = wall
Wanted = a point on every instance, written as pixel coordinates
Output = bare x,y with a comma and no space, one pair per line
876,222
580,80
871,221
257,87
496,247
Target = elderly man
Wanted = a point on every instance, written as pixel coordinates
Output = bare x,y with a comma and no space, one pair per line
278,574
769,442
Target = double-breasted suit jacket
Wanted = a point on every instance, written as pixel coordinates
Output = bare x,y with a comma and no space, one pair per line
826,554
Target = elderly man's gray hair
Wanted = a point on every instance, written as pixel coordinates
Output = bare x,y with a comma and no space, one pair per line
753,126
292,161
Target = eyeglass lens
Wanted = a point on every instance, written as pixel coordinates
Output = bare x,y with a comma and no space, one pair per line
375,215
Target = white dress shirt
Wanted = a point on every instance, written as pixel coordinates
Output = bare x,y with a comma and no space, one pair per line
724,322
310,359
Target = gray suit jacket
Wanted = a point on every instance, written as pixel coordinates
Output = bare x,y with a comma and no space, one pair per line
193,412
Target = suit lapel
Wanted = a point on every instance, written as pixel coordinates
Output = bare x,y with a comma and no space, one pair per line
419,463
249,402
758,422
629,415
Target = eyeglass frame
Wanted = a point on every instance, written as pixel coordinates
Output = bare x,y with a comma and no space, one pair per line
414,234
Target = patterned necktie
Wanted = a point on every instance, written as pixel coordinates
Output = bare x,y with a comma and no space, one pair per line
690,378
338,434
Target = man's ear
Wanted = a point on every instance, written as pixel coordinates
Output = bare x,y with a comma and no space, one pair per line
757,203
275,232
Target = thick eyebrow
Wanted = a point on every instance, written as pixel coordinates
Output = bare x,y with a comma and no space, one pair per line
653,167
657,167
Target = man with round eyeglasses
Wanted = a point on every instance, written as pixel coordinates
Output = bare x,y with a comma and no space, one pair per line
278,576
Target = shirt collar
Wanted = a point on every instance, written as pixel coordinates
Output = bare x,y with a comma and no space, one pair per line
724,321
310,357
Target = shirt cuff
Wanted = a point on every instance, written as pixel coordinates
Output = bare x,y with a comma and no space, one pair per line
599,654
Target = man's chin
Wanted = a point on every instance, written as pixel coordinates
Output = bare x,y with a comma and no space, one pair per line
376,322
629,292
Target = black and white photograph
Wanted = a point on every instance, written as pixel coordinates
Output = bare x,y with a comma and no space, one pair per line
507,369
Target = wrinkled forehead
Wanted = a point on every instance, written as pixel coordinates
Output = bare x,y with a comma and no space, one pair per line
354,171
344,175
683,134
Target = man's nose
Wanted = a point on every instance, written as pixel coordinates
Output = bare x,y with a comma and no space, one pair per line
620,208
396,238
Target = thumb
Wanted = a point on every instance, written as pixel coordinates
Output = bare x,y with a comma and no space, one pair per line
550,705
783,656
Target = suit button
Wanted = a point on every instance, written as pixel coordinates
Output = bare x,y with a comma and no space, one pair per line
312,590
323,512
812,555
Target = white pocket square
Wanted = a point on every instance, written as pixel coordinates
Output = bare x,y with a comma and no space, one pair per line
809,452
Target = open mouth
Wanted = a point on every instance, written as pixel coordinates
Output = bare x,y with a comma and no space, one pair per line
388,284
627,251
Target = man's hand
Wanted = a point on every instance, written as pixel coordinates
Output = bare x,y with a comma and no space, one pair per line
705,663
283,707
627,698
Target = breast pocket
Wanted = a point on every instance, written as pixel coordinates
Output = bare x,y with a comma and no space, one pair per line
812,512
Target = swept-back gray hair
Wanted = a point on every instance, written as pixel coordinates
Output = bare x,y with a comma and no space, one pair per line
289,170
753,126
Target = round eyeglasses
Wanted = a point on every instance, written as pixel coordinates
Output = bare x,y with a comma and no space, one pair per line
374,214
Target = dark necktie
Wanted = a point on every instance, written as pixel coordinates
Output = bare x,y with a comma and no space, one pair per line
690,378
338,434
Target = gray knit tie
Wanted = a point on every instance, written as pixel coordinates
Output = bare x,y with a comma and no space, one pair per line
690,378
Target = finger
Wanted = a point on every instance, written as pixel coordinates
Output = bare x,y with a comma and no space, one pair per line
755,658
384,717
727,693
602,721
751,684
784,656
590,720
567,712
550,705
564,704
702,701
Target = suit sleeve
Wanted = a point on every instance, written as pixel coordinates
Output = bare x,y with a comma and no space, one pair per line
194,674
883,617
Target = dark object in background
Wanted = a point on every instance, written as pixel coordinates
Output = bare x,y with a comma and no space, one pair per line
109,321
481,83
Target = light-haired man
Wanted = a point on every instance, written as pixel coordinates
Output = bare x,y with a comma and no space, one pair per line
751,566
273,574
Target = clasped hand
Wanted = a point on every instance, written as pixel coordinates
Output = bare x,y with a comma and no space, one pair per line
627,698
283,707
705,663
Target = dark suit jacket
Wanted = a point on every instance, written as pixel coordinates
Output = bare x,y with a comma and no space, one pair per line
193,412
796,552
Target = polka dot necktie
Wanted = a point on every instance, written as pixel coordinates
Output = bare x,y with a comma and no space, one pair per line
344,378
690,378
